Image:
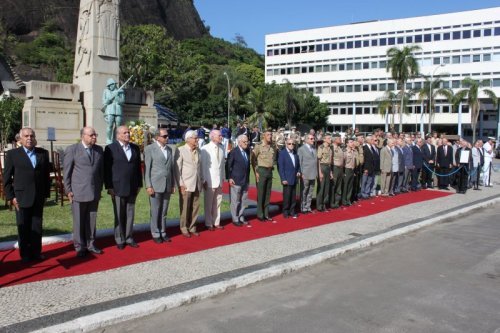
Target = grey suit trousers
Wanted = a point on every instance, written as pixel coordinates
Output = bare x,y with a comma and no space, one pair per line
159,207
306,194
239,196
124,208
84,224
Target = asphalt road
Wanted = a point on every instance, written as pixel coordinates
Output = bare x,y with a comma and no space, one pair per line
445,278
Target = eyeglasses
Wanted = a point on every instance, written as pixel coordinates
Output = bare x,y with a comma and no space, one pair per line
94,134
290,144
164,136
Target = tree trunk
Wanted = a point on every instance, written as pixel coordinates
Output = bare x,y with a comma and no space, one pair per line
401,108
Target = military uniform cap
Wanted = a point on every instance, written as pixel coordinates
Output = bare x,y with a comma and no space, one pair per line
336,135
491,138
282,129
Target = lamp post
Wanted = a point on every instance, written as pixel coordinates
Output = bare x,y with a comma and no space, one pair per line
430,92
228,96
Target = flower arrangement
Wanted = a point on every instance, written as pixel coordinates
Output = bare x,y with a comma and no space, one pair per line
140,133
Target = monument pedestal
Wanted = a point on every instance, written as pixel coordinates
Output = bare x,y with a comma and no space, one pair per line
53,104
139,105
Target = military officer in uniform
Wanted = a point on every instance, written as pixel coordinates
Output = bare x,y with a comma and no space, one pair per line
338,172
324,173
350,162
280,139
263,159
295,136
358,171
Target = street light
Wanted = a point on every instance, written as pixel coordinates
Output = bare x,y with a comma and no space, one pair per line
228,96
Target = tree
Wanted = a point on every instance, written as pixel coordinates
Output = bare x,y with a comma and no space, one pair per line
403,67
261,114
433,89
10,119
471,94
388,102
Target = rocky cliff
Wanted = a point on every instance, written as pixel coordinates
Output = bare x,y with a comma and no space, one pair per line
25,17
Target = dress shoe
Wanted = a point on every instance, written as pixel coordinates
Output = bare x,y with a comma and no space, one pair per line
120,246
305,212
81,254
194,233
95,250
477,189
166,239
186,234
294,216
157,240
220,227
261,219
243,221
269,219
238,224
39,257
25,260
320,210
133,244
285,216
210,228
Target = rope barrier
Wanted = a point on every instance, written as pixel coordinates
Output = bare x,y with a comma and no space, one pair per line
442,175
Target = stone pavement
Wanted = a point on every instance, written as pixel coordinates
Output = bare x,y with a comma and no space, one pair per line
95,300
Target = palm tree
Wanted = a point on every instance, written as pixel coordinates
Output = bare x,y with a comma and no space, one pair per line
389,101
471,94
292,98
433,88
403,67
257,103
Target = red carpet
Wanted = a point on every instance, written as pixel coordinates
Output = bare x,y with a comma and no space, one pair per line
276,197
61,260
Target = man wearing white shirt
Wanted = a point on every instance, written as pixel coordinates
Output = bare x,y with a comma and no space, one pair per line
489,153
213,173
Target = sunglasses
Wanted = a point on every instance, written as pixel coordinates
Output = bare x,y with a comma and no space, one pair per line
164,136
290,144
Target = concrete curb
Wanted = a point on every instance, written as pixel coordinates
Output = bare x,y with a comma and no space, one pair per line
145,308
10,245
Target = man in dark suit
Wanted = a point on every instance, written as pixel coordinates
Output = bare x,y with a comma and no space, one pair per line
463,158
418,162
83,179
444,163
429,155
368,168
159,176
238,166
289,170
27,186
123,180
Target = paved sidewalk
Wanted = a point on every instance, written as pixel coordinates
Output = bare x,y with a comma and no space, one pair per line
109,297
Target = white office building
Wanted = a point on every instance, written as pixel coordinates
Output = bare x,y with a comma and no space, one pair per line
345,66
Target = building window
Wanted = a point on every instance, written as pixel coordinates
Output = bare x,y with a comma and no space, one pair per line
391,86
408,85
466,59
437,37
348,88
445,109
333,89
283,51
269,53
391,40
373,87
427,37
446,36
357,44
436,60
269,72
319,68
359,110
334,68
326,68
374,42
366,87
366,43
289,71
486,32
496,82
326,47
409,39
357,88
418,39
455,84
382,87
303,70
318,90
486,57
349,45
446,60
476,58
357,66
296,70
446,84
455,59
497,31
466,34
276,52
311,69
282,71
341,89
456,35
496,57
374,64
319,47
382,41
382,64
366,65
401,40
477,33
343,110
348,67
418,85
341,46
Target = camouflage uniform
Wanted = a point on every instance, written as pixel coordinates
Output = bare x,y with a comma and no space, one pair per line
324,160
263,159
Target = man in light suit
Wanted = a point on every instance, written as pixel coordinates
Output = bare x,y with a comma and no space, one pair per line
213,166
83,179
26,182
238,166
386,155
289,170
308,161
159,178
123,180
188,176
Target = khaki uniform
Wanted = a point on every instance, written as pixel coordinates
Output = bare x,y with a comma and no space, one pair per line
324,160
263,159
358,173
350,164
338,177
295,136
280,141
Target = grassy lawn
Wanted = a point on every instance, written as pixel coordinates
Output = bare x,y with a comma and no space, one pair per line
57,220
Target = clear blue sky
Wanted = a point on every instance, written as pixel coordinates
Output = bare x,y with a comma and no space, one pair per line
253,19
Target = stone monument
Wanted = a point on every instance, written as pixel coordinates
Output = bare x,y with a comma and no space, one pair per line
69,107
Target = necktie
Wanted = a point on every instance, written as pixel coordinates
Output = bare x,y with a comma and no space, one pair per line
89,153
244,155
